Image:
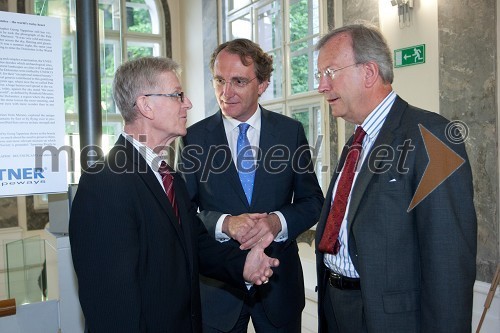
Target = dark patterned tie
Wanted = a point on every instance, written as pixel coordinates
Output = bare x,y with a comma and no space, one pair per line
329,241
244,162
168,183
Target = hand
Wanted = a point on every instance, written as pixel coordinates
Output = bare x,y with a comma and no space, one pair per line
266,224
258,265
237,227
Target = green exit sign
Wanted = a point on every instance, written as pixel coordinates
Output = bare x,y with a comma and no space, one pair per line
408,56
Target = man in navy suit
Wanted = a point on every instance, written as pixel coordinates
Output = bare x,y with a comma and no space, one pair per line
276,192
404,257
137,252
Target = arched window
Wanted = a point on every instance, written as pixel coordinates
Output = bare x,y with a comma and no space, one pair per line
127,29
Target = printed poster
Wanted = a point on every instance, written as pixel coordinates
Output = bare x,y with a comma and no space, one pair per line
32,155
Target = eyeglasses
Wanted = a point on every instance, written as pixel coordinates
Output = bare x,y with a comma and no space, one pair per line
331,72
239,82
179,94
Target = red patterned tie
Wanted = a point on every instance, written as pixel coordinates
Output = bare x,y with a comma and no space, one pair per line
168,183
329,241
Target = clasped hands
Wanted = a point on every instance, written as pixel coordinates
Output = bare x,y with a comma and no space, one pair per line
254,231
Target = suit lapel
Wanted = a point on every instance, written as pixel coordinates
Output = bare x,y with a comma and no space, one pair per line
384,138
218,138
183,203
142,169
329,194
268,130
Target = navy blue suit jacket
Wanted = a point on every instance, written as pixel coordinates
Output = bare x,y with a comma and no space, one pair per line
284,181
137,267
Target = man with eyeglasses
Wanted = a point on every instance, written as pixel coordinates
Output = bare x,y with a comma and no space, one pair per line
250,172
396,241
136,242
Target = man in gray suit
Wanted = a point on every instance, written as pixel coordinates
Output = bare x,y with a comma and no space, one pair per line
396,240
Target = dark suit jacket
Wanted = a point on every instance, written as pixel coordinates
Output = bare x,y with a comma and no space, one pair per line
287,184
137,268
417,268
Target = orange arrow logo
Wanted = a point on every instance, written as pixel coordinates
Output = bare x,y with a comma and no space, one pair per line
443,162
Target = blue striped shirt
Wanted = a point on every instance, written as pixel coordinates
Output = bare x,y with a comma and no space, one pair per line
341,262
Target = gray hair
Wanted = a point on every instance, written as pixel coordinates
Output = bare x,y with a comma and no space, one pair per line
137,77
368,44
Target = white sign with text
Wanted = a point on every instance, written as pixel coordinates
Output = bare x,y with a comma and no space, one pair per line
32,106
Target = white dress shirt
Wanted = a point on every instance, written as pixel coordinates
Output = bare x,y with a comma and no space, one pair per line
253,134
152,159
341,262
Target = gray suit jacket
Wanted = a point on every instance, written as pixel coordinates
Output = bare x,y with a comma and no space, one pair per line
285,183
417,268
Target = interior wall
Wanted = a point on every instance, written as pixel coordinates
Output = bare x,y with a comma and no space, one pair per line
175,25
192,57
414,82
498,112
458,80
468,58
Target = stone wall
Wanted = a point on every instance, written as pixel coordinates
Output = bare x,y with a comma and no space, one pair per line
468,90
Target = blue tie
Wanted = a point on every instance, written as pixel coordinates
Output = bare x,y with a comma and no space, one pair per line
245,162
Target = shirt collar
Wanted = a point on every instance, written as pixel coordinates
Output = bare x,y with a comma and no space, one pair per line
254,121
153,159
373,123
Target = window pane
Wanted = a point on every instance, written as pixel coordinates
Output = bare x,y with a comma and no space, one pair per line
72,139
111,131
68,56
59,9
109,62
141,49
304,32
72,127
299,20
315,16
107,103
111,14
41,8
303,117
237,4
139,17
269,26
108,58
299,68
70,95
304,19
310,117
241,27
315,66
318,141
275,88
302,66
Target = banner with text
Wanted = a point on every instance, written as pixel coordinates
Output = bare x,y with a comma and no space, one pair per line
32,160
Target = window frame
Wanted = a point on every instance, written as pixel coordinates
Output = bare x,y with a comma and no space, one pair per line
288,101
